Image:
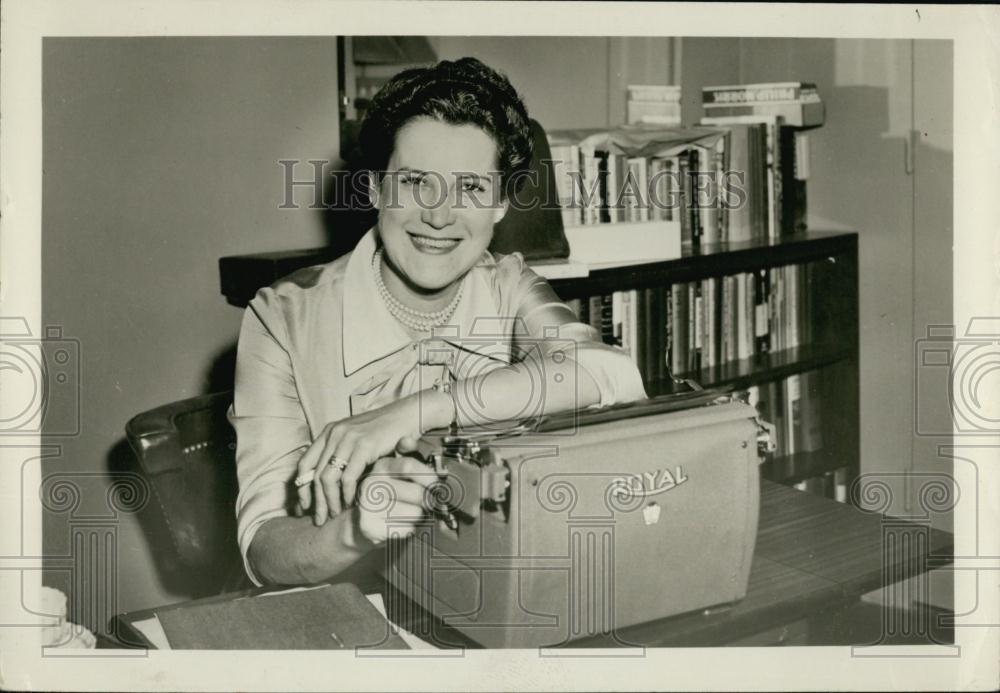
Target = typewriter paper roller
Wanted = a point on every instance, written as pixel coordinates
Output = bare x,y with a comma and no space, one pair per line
603,526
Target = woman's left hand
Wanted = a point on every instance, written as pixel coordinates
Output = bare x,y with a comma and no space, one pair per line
359,441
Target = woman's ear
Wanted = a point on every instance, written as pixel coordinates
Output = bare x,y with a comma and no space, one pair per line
501,211
373,194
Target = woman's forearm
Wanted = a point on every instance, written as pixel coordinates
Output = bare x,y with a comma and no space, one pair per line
552,384
294,551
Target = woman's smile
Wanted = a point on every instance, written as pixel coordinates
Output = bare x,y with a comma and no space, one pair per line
433,245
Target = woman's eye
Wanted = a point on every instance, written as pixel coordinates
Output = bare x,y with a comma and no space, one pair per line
413,180
472,186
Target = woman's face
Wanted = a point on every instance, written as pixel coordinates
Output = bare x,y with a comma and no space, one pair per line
438,202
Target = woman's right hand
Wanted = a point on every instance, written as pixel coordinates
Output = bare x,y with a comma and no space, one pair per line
394,497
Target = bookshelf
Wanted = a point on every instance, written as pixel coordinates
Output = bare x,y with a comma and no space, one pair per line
831,354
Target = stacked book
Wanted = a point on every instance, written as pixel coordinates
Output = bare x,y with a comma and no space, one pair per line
797,103
643,174
653,104
768,152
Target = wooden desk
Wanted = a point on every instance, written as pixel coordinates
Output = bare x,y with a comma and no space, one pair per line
813,556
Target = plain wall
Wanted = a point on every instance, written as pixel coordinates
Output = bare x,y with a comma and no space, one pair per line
160,156
569,81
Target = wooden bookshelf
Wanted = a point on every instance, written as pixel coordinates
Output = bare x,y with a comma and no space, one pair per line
831,353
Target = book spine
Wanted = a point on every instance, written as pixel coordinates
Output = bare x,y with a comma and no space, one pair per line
667,320
658,194
761,313
694,327
762,93
584,313
728,319
697,229
684,180
744,313
617,316
679,331
590,196
649,330
603,176
628,346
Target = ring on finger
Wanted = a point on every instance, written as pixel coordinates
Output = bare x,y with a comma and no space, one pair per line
338,463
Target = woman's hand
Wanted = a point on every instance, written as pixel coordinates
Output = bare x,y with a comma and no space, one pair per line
358,441
393,498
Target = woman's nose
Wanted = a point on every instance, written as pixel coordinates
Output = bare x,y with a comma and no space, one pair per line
441,213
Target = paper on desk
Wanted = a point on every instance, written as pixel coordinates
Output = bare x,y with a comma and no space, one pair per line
409,638
152,629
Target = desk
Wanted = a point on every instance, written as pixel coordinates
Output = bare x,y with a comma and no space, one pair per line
813,556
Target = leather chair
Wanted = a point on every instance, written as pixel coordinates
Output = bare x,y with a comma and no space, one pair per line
187,452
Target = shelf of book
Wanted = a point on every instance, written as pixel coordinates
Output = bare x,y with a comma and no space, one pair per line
790,339
719,259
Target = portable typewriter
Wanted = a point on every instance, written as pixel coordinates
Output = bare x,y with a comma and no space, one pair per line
582,524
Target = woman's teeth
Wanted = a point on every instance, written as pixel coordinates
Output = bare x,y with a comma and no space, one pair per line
429,243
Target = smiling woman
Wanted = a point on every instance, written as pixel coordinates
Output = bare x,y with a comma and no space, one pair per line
341,367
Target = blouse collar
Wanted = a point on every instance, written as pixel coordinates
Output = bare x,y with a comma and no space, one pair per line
370,332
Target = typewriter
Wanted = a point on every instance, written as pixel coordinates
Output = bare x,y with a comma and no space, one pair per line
583,524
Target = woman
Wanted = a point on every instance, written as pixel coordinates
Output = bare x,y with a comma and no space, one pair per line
341,367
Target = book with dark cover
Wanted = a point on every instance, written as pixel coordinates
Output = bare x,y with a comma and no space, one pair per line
793,200
684,198
762,315
607,321
332,617
679,329
649,332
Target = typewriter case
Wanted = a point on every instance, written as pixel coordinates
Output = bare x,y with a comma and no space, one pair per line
611,518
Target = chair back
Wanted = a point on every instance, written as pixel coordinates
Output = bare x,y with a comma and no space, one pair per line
187,451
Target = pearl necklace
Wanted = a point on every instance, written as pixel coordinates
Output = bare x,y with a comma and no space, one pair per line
419,320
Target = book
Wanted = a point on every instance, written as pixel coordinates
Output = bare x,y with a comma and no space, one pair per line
684,190
665,303
614,203
607,325
331,617
762,92
794,114
590,183
762,314
695,318
635,192
678,329
654,104
650,332
654,92
659,189
617,317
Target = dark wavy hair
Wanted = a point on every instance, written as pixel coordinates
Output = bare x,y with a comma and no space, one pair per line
460,92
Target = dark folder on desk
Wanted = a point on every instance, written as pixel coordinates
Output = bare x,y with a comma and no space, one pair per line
332,617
